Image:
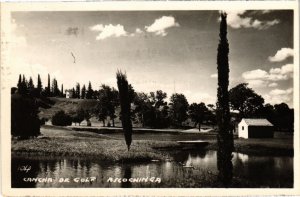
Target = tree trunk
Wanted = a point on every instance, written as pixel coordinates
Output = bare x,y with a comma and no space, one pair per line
143,122
103,122
113,122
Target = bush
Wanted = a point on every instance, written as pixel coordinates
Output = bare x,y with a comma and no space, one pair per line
24,119
60,118
78,117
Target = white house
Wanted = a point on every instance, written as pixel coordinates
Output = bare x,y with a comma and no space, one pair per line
69,93
255,128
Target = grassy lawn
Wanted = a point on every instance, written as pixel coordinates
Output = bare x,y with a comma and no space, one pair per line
60,141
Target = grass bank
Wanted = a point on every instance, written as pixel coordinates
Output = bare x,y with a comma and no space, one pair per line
58,141
61,141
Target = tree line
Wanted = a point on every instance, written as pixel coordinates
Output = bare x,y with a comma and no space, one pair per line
25,86
154,111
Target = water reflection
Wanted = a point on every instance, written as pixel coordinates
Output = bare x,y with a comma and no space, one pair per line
127,175
78,172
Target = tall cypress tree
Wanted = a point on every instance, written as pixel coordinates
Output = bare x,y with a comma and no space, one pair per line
77,91
49,87
24,86
125,107
89,93
62,90
39,83
73,93
225,136
83,92
30,84
19,83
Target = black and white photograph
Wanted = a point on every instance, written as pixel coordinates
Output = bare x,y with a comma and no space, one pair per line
151,98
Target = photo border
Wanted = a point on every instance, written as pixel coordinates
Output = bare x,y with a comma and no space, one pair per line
7,8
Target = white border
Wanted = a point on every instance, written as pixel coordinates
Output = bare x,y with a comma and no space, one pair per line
6,8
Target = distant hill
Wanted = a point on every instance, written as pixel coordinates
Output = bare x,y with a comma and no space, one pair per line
66,104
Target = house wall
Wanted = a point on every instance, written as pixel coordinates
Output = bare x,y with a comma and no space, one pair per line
260,132
243,133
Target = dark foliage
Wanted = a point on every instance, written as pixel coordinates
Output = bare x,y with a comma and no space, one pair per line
152,110
62,91
83,92
39,84
178,109
245,100
48,89
89,93
225,136
24,119
124,97
198,113
79,116
77,91
60,118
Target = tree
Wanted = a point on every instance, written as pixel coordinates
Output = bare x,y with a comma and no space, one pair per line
178,109
160,109
225,136
102,111
89,93
124,97
60,118
74,93
23,86
24,116
284,117
48,92
142,107
19,85
108,101
79,116
198,112
39,84
83,92
77,91
55,90
62,90
30,84
245,100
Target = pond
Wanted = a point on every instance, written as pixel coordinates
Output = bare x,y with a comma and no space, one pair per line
31,172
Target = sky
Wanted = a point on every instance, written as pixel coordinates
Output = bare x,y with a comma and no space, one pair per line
173,51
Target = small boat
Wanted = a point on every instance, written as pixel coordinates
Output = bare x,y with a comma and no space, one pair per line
194,143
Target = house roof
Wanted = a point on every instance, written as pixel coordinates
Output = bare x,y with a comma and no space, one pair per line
257,122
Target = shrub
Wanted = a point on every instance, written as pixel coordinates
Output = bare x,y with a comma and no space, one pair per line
24,119
60,118
79,116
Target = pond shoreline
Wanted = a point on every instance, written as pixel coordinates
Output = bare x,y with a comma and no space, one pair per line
60,141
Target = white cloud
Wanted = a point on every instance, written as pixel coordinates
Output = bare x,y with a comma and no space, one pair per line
160,25
255,74
272,85
110,30
257,83
236,20
277,96
98,27
138,31
197,97
282,54
259,78
215,75
277,92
